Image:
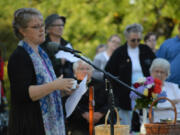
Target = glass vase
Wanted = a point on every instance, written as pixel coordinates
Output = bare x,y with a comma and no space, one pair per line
144,120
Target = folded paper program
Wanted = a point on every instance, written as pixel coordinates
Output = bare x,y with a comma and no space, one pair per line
74,99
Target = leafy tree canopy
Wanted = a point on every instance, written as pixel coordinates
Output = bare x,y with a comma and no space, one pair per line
91,22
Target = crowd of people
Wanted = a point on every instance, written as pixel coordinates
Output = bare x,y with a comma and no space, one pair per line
40,82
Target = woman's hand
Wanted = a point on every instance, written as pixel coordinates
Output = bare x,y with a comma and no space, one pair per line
176,101
97,117
64,84
85,115
36,92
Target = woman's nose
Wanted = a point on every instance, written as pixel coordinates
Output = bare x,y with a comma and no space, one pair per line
42,29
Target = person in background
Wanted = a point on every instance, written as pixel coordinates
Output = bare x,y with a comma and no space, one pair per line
78,122
100,48
3,101
1,76
102,58
36,107
160,69
54,27
150,40
128,63
169,50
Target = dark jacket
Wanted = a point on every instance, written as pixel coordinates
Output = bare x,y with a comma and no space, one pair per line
59,68
120,66
76,121
25,115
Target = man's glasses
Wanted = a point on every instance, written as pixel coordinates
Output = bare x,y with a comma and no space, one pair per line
57,25
135,40
84,69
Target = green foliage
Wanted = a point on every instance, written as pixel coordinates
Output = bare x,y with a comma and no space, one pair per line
6,83
143,102
91,22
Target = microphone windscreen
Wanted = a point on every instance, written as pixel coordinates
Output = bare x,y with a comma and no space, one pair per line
53,47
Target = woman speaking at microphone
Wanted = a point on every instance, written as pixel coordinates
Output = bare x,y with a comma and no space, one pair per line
35,91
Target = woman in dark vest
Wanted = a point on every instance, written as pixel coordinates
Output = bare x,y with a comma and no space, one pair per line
129,62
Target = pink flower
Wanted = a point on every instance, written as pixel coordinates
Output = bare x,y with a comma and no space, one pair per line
149,87
149,80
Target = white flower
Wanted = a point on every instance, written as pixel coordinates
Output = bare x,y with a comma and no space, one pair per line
142,80
150,85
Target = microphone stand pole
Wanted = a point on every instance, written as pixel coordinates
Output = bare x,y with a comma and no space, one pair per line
111,78
111,105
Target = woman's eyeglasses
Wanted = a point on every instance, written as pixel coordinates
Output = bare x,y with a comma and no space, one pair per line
57,25
135,40
37,27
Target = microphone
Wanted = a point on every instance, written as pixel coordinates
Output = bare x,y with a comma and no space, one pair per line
55,47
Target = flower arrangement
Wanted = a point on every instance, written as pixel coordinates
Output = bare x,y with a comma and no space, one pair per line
151,88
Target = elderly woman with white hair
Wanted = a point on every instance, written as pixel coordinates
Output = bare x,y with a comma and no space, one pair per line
78,122
160,69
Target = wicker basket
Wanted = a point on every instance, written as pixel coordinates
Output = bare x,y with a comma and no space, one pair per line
118,129
162,128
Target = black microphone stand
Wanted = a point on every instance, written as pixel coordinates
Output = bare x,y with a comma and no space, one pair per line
107,75
110,78
111,104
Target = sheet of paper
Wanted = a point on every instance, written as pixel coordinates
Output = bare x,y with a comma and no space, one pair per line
74,99
66,55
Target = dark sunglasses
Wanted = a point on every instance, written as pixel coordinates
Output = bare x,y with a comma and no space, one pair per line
134,40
